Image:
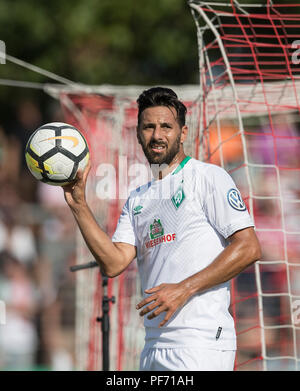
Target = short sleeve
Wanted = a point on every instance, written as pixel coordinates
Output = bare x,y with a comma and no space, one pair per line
223,204
125,229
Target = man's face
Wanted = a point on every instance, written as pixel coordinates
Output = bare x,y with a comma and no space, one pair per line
160,134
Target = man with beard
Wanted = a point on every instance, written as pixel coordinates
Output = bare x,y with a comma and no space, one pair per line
190,232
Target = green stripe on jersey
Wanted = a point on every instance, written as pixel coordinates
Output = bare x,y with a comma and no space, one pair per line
181,165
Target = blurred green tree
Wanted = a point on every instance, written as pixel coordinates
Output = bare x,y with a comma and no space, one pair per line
95,42
107,41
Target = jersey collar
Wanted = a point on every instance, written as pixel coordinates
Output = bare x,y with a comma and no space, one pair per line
181,165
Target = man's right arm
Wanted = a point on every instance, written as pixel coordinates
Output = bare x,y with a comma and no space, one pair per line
113,257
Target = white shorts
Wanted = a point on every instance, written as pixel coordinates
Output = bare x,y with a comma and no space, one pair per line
186,359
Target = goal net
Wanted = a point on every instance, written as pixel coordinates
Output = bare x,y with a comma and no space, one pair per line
244,116
249,124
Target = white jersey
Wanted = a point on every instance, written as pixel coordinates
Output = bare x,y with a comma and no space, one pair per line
179,225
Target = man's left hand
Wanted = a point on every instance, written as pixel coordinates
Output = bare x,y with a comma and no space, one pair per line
164,297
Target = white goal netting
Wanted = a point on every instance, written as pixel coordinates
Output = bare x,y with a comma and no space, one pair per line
250,85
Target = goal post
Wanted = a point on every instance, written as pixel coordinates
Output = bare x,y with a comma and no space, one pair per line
243,116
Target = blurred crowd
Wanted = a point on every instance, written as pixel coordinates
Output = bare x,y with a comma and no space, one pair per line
36,250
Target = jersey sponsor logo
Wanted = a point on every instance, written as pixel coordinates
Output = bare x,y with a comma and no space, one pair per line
156,229
74,139
157,236
137,210
178,197
235,200
162,239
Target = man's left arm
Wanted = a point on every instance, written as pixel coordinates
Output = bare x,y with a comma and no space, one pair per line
243,250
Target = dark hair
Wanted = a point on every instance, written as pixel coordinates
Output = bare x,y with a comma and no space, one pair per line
161,96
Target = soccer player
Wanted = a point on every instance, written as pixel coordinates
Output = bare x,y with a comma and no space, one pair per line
190,232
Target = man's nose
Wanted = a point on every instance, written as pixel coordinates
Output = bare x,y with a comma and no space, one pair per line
157,133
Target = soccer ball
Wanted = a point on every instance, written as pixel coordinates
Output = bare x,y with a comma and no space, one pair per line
54,153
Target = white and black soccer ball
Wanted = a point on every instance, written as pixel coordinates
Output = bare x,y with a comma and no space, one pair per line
55,152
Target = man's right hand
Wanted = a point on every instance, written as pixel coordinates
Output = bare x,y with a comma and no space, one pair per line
75,192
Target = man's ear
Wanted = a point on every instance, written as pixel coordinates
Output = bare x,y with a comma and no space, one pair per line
184,133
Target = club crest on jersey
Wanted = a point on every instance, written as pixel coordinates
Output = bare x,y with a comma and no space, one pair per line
235,200
178,197
156,229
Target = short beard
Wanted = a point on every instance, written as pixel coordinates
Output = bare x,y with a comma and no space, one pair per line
154,158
